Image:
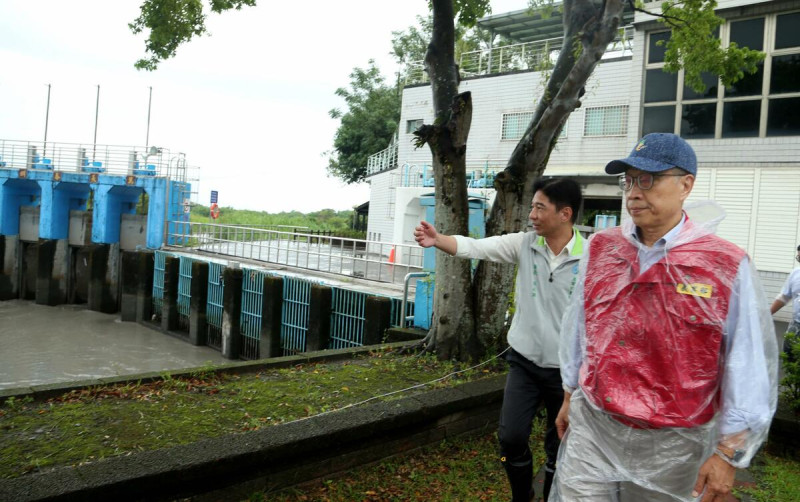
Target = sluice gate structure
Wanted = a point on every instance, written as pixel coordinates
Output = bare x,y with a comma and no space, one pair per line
109,226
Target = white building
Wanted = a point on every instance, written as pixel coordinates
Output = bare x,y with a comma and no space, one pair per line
747,138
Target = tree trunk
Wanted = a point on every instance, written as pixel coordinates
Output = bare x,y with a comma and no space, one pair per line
453,322
470,314
593,25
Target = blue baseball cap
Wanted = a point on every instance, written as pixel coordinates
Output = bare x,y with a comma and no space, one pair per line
657,152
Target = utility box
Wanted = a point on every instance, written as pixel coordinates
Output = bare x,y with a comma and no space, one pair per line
133,232
80,228
423,298
29,223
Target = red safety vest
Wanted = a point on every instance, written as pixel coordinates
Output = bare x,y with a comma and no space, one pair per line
653,340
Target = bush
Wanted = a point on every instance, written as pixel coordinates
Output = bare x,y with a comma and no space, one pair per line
791,370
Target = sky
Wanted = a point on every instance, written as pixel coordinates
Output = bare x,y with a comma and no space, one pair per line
248,104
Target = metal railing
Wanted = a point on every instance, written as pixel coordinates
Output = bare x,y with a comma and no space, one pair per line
382,161
372,260
479,175
103,159
536,55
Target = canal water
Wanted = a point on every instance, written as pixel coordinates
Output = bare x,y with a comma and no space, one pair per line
43,345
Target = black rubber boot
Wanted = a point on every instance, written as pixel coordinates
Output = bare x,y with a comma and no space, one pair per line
520,477
548,481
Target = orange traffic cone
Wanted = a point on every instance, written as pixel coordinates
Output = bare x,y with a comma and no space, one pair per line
391,255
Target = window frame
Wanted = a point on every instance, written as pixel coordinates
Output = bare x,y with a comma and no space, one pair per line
504,122
721,100
623,127
419,122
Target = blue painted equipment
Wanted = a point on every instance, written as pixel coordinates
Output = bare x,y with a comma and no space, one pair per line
423,300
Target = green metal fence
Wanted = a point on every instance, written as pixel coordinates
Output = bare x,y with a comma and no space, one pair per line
250,319
294,314
347,318
158,283
184,292
216,287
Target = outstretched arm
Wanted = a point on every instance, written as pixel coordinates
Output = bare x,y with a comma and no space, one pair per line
776,306
426,236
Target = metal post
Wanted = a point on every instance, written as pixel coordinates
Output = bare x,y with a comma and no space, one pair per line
408,277
46,121
96,113
149,103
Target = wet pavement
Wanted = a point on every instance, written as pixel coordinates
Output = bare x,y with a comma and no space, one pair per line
43,345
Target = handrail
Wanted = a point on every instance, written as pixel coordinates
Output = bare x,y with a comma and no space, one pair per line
535,55
403,317
369,260
89,158
382,161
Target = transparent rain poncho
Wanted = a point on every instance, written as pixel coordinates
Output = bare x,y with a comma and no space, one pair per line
670,351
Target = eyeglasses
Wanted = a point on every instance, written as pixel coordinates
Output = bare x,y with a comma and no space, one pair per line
645,180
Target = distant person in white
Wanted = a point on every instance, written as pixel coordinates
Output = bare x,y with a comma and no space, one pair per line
790,292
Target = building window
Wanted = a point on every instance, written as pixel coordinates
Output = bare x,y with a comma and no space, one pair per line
515,124
606,121
765,103
413,125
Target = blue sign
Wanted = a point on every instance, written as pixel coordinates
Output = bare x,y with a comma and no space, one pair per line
214,196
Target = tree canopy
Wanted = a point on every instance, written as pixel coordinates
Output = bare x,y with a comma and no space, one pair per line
172,23
368,125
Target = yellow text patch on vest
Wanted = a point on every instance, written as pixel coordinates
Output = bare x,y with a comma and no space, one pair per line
695,289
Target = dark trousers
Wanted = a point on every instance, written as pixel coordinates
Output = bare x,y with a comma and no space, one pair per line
527,387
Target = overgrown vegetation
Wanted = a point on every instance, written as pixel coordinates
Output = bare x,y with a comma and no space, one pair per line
87,425
468,469
791,372
777,480
338,222
460,469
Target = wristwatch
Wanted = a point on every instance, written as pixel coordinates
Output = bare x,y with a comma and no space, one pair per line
731,454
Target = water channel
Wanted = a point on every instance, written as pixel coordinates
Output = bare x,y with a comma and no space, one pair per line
44,345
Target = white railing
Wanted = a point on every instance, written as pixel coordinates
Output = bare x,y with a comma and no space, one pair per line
382,161
371,260
537,55
89,158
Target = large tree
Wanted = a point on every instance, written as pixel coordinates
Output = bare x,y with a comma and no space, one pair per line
368,125
471,309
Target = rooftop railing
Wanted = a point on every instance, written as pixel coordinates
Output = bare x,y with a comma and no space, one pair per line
537,55
92,158
384,160
479,175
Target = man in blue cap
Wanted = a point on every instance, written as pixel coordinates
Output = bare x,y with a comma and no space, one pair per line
668,354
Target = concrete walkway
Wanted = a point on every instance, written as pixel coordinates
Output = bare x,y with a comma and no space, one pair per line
45,345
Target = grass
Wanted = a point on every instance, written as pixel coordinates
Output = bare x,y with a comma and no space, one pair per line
777,479
468,469
91,424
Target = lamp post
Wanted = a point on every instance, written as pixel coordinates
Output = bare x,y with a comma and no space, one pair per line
96,113
46,121
149,103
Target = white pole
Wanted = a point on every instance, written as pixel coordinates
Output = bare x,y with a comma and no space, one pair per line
96,113
149,103
46,121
